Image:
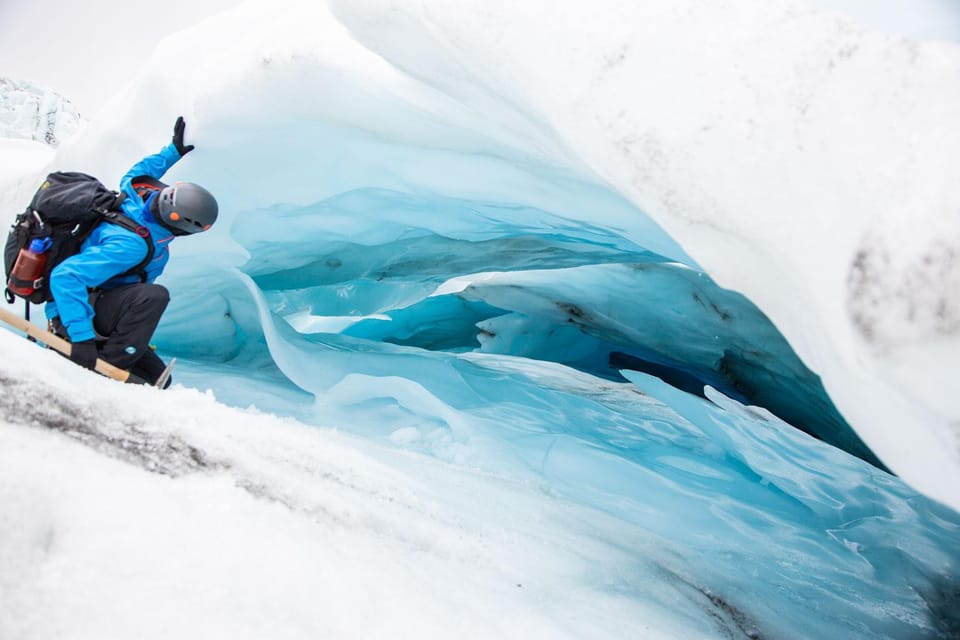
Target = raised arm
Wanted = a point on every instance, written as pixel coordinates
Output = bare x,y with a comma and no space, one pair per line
159,163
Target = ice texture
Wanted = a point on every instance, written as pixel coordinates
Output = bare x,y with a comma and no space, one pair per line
807,170
32,112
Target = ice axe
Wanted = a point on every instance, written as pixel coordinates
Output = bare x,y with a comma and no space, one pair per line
61,345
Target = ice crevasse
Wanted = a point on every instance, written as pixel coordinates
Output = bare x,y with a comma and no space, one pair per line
475,232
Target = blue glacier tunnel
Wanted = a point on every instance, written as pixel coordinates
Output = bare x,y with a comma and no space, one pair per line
584,297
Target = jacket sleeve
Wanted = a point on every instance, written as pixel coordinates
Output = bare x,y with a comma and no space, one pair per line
154,166
116,252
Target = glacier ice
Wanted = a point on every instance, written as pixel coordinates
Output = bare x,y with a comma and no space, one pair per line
804,165
444,233
36,113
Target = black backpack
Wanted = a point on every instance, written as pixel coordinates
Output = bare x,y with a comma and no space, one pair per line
65,209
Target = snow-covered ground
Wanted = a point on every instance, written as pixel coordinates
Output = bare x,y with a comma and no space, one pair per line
131,512
135,513
150,515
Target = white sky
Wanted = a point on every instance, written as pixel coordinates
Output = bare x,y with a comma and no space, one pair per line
920,19
87,50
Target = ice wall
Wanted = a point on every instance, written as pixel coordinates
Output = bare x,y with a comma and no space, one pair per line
788,174
806,169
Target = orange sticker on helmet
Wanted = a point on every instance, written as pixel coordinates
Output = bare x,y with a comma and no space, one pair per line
174,216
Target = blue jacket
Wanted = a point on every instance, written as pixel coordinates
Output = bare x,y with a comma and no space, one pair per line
109,251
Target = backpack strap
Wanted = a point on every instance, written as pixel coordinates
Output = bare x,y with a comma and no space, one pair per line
121,196
117,218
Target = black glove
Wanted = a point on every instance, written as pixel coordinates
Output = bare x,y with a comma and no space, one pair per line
178,138
84,353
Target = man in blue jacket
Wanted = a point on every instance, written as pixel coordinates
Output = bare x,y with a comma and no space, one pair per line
99,305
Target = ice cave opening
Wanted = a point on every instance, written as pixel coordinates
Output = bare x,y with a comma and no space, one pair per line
456,275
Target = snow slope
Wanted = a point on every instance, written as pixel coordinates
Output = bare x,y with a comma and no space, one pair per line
139,514
20,159
131,512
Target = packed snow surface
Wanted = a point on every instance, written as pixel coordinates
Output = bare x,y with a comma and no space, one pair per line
569,509
452,236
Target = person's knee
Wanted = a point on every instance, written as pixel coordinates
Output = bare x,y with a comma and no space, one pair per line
154,295
158,292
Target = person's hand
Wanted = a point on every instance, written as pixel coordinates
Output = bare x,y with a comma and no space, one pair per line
178,138
84,353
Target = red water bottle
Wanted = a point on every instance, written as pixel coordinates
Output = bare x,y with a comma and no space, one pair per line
28,268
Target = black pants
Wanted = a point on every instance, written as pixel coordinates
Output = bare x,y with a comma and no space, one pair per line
127,317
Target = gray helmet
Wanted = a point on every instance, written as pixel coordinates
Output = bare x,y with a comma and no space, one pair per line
186,208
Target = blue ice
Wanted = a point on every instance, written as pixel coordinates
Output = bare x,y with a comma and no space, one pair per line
537,348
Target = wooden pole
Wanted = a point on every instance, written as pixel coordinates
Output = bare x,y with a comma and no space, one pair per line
59,344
